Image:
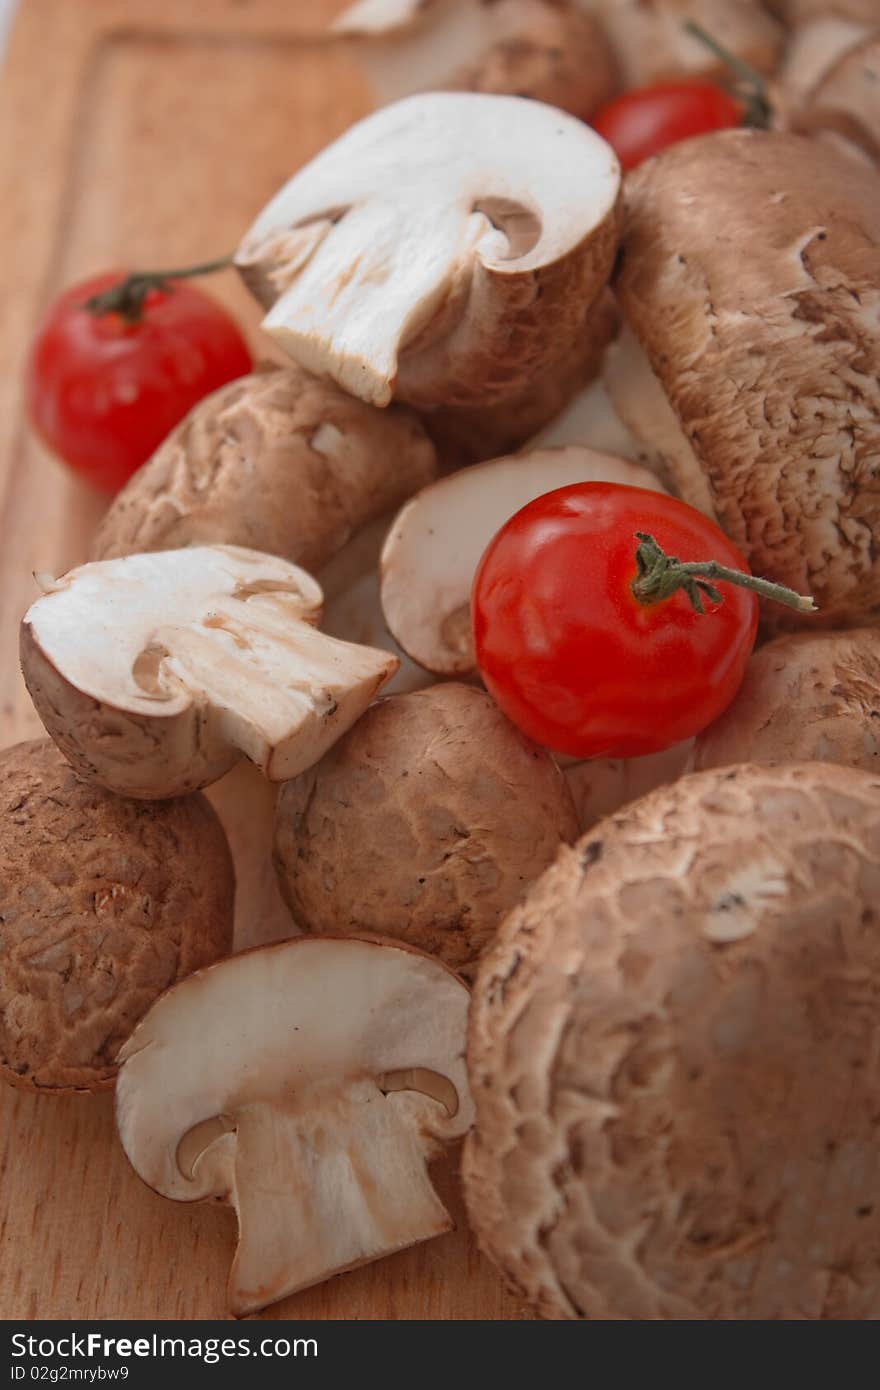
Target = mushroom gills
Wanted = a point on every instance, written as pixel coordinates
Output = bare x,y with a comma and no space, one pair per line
263,1085
193,657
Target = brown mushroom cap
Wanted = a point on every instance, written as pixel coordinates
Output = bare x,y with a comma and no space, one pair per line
797,11
104,903
277,461
672,1058
550,50
846,99
472,434
770,359
426,823
807,697
651,43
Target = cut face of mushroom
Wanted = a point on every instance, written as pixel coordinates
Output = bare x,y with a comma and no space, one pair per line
155,673
672,1050
307,1084
276,461
549,50
427,255
639,402
770,364
434,547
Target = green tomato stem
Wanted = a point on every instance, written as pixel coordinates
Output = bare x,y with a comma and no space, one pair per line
758,111
127,298
660,576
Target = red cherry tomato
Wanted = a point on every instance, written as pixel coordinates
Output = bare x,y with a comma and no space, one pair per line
641,123
103,393
569,653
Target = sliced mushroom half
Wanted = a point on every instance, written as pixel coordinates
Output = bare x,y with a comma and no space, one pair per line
444,250
308,1084
155,673
433,549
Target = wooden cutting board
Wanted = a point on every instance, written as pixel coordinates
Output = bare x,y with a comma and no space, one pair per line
147,133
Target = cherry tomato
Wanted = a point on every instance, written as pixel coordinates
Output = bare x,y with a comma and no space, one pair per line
641,123
568,652
104,392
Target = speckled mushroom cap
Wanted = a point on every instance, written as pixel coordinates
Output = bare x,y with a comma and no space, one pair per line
672,1056
276,461
805,696
750,274
651,43
846,99
104,903
426,823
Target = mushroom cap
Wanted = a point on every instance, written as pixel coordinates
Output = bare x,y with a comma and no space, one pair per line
549,50
155,673
846,99
651,43
433,548
307,1083
672,1058
427,255
795,12
806,696
770,362
473,434
104,903
427,823
276,461
812,49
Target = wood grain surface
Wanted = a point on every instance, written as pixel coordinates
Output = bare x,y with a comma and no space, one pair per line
147,133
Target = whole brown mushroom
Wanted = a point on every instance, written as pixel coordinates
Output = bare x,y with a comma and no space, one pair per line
426,823
805,697
770,362
104,903
845,102
672,1058
794,12
550,50
277,461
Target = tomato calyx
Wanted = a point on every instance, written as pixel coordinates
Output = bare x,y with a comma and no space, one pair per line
127,297
659,576
748,83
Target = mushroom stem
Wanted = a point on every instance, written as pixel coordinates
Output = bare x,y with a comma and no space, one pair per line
757,111
127,298
661,575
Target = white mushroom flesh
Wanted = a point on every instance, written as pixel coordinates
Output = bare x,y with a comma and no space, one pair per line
308,1084
413,227
209,653
640,401
436,543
